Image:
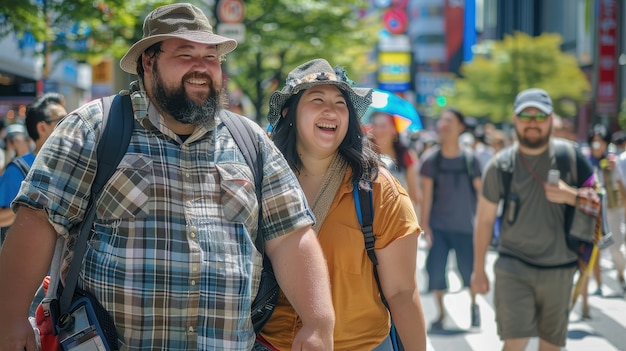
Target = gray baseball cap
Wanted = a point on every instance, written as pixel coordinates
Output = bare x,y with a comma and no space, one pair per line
534,97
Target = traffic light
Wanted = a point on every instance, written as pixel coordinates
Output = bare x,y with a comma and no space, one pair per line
441,101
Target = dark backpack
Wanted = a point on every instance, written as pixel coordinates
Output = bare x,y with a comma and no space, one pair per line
267,295
468,156
365,212
116,133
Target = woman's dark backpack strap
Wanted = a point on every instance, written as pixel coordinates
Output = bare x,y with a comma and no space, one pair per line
364,205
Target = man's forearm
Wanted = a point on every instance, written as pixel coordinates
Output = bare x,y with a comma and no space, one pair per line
482,238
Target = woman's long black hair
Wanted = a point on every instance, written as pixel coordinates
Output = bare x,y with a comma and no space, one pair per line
355,148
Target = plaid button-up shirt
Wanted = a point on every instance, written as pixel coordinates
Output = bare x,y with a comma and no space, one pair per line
173,257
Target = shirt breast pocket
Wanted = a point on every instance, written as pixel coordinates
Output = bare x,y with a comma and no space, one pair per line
237,194
127,192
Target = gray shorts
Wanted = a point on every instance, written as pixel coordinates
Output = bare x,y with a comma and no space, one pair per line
532,301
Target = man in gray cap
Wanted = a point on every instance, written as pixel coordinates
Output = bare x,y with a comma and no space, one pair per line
535,268
172,257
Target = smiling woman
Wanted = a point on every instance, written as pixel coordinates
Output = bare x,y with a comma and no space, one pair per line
316,125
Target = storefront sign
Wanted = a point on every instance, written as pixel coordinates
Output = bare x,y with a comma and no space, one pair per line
394,71
606,61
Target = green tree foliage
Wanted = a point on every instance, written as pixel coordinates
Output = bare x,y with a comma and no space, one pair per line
84,30
280,34
490,82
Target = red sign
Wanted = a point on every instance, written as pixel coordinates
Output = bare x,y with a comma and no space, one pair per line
454,12
230,11
395,20
606,61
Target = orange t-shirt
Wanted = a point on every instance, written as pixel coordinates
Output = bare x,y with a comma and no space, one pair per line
362,321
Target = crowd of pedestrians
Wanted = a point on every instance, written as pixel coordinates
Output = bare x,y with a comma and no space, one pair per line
172,256
23,142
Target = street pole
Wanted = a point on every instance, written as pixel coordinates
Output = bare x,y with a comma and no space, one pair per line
45,72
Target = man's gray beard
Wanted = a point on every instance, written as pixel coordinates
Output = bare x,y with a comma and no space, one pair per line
177,103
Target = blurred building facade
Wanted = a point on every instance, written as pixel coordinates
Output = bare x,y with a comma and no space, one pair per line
592,30
422,46
23,76
439,35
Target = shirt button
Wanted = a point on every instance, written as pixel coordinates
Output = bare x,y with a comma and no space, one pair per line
193,282
192,235
191,329
187,175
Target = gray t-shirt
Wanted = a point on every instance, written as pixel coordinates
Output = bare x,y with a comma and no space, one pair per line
454,202
537,235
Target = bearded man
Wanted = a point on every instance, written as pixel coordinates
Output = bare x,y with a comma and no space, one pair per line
535,267
172,255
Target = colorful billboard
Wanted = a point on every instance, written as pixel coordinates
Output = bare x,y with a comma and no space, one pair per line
394,71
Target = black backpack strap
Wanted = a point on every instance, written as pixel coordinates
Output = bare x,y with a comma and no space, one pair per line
436,166
565,159
469,162
246,139
365,213
116,129
505,162
469,156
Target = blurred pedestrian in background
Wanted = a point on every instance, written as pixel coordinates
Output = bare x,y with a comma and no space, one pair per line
450,178
619,140
563,128
172,258
618,249
42,115
17,141
316,119
482,146
498,140
534,272
401,161
603,159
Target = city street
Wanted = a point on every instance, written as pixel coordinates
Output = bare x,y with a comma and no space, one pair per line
605,331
